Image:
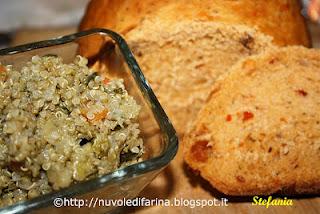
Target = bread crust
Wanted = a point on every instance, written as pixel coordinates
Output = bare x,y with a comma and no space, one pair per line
280,19
258,132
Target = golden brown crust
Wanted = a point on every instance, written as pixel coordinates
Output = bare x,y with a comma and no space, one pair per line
280,19
258,133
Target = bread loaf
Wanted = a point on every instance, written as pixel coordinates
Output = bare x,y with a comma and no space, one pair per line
258,132
280,19
182,61
183,46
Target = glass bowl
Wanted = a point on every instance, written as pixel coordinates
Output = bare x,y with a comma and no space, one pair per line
160,139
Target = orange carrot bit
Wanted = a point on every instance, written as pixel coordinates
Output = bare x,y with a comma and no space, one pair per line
2,68
97,116
228,117
247,115
2,73
100,116
200,151
106,81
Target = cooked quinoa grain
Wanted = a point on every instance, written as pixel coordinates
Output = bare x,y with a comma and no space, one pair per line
61,124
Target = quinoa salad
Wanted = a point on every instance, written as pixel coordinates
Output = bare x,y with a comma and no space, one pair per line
61,124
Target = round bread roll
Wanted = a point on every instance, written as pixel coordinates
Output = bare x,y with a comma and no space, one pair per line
280,19
258,132
182,61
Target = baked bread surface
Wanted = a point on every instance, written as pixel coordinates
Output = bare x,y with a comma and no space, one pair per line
258,132
182,61
280,19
